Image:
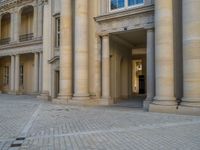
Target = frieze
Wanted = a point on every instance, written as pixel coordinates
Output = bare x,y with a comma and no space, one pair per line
8,4
22,48
126,20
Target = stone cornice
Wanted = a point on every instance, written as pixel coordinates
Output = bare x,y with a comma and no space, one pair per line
125,13
9,4
21,44
21,48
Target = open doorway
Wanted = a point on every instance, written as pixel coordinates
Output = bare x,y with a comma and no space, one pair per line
128,68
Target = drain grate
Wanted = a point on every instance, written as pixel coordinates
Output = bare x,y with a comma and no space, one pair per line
15,145
20,138
18,142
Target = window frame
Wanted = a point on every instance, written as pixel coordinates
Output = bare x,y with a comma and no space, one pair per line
126,7
57,32
6,73
21,75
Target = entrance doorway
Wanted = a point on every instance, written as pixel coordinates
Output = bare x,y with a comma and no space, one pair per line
128,68
57,83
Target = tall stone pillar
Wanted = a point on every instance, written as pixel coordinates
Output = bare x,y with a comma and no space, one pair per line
12,75
36,73
46,68
81,50
164,57
40,20
150,68
0,26
191,53
40,71
105,68
17,65
35,21
66,51
98,68
15,26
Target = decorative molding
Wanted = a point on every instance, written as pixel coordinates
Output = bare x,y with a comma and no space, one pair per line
52,60
138,18
125,13
21,48
5,5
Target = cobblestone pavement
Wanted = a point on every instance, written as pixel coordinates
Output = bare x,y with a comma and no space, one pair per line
48,126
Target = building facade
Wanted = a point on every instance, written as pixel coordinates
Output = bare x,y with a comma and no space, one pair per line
101,52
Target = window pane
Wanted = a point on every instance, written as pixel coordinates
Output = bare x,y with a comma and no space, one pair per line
115,4
135,2
139,1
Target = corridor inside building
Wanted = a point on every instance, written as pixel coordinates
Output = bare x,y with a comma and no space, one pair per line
128,68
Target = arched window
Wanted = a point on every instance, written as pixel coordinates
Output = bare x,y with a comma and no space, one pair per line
26,30
5,29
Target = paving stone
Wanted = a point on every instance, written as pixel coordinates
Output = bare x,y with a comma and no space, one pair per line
60,127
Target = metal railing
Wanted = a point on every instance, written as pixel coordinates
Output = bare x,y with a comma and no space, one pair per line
4,41
26,37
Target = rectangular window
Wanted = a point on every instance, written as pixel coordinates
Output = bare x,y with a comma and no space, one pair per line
116,4
6,75
57,32
135,2
21,75
119,4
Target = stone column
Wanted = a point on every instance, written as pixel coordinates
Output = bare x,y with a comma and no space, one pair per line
40,20
17,65
46,68
164,54
12,27
15,26
81,50
0,25
40,71
12,75
105,68
191,53
98,68
36,73
66,51
35,21
150,68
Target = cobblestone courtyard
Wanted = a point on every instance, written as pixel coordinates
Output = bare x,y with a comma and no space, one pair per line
57,127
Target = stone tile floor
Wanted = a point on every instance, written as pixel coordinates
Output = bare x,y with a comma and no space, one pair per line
48,126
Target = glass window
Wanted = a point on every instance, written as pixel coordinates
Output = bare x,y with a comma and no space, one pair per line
21,74
57,29
135,2
6,75
115,4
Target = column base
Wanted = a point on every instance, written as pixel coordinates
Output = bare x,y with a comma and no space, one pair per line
64,97
184,110
106,101
80,99
165,101
44,96
35,93
195,102
162,109
146,103
15,93
89,102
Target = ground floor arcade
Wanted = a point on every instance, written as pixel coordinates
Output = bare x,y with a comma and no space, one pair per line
21,73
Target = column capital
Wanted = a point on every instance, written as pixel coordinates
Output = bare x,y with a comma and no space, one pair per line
149,27
103,34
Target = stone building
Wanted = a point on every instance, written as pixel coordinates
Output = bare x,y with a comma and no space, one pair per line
101,52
